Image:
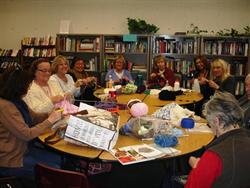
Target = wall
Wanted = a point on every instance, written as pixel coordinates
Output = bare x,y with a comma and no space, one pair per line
20,18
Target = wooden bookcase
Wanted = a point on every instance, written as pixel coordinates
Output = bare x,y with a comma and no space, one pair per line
99,51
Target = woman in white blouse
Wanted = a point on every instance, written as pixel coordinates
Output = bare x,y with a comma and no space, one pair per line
42,95
62,80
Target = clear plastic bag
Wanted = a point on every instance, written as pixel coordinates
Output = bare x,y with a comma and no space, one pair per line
146,127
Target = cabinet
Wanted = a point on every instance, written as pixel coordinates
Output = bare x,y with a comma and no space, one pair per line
9,57
135,49
38,47
179,50
234,50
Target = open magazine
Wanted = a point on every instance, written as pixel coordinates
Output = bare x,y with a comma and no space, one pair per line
136,153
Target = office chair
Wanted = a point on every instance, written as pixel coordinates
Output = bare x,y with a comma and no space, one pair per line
48,177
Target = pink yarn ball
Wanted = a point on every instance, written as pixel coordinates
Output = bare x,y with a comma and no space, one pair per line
139,109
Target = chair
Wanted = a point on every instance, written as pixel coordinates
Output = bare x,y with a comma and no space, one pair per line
10,181
47,177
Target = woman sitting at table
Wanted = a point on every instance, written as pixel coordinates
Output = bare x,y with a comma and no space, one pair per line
221,79
19,125
225,161
119,75
41,95
161,75
87,83
62,80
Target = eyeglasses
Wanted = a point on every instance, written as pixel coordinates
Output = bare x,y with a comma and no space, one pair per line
44,70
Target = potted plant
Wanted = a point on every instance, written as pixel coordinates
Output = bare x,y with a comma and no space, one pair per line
139,26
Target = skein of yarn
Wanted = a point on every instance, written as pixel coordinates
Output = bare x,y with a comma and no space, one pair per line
139,109
166,140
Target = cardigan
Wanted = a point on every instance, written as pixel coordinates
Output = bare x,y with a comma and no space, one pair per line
38,100
15,133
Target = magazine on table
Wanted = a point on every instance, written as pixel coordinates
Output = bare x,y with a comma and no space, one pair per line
136,154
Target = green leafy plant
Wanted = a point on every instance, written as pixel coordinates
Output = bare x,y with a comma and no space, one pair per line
195,30
138,26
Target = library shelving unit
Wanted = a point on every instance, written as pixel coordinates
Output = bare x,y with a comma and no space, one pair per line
9,57
38,47
179,50
134,48
235,50
85,46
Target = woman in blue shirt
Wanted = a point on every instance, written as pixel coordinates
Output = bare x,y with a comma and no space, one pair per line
119,75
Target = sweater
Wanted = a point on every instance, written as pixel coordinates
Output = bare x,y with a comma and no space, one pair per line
15,133
38,100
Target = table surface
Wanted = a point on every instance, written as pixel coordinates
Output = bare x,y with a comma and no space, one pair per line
189,143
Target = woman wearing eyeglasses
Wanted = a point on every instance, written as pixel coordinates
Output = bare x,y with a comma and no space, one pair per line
42,95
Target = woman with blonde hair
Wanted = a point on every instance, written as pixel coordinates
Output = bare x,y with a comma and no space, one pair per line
221,78
61,79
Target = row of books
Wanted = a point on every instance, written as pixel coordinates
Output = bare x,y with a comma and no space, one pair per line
39,41
182,66
112,46
175,46
226,48
34,52
240,88
237,69
79,45
8,52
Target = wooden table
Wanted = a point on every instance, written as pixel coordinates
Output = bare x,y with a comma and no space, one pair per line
187,144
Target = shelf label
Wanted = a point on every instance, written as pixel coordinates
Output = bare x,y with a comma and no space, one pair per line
130,38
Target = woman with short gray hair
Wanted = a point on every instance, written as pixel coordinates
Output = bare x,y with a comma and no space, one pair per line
226,159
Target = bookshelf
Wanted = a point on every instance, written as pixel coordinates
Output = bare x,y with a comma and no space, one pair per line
9,57
99,51
85,46
235,50
38,47
135,49
179,50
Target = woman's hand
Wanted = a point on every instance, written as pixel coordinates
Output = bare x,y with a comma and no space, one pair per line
68,96
202,80
55,116
212,84
56,99
193,161
153,75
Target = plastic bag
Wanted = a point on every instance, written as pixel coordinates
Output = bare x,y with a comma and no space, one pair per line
146,127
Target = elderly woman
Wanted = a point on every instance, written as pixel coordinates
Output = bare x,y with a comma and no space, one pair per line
119,75
245,102
225,160
42,96
160,74
221,79
19,125
61,79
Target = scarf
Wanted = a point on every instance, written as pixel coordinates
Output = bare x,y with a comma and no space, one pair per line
23,108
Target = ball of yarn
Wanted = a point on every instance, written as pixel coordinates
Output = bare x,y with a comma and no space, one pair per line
139,109
166,140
